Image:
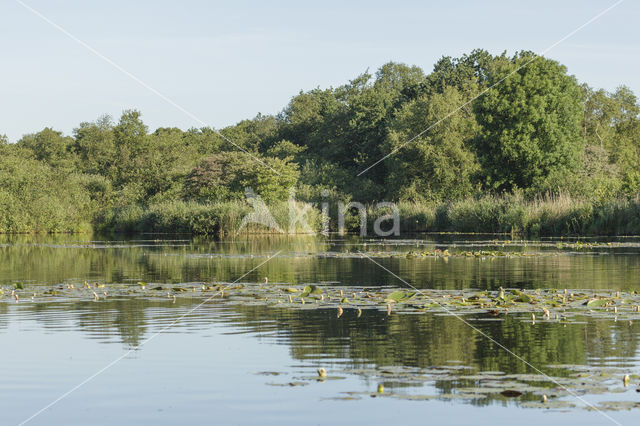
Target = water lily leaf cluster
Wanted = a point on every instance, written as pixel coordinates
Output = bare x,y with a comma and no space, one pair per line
527,304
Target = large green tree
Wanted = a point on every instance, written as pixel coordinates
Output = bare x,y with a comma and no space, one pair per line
344,129
51,147
95,146
439,165
611,124
530,118
226,176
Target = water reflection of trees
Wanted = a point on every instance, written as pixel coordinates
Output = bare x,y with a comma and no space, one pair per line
373,340
58,258
423,341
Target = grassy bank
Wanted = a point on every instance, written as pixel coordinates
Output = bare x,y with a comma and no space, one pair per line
544,216
223,218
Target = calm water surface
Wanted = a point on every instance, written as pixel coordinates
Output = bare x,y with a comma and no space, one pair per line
250,364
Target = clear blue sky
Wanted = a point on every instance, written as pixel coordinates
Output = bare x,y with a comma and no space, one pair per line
226,61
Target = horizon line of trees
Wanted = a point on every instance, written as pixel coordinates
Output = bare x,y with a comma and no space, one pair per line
534,129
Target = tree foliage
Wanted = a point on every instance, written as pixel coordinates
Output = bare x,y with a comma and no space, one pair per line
530,119
226,176
475,126
440,164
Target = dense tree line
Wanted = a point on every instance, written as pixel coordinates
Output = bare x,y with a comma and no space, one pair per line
533,130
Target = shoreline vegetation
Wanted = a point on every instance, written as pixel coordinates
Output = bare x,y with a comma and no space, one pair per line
538,154
509,214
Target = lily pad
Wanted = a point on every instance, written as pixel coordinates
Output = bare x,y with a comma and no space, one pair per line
311,290
399,296
597,303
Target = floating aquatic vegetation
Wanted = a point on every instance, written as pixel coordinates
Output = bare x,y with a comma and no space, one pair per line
424,254
461,249
400,296
289,384
311,290
534,306
268,373
616,405
548,404
553,391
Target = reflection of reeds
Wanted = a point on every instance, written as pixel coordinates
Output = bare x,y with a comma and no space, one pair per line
207,259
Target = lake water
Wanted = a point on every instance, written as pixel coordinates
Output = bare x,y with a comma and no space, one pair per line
132,359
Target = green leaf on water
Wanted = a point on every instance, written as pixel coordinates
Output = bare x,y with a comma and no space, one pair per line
399,296
524,298
310,290
597,303
18,286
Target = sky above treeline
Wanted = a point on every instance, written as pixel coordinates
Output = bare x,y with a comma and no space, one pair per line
221,62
